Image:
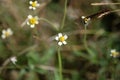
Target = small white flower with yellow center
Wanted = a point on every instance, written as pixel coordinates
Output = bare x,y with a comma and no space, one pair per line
13,60
32,21
33,5
6,33
114,53
61,39
85,20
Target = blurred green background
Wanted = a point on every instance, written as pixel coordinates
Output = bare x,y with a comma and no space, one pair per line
36,49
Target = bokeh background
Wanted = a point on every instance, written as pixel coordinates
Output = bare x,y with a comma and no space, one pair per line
36,49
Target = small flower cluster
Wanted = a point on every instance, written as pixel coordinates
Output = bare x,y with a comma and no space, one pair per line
114,53
6,33
85,20
61,39
32,21
33,5
13,59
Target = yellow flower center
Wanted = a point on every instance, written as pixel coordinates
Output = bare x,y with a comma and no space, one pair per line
34,4
115,54
7,34
32,21
86,20
62,39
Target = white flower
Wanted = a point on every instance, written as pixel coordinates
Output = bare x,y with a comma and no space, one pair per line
85,20
33,5
13,60
61,39
114,53
32,21
6,33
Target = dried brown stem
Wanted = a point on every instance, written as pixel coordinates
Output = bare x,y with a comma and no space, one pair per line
100,4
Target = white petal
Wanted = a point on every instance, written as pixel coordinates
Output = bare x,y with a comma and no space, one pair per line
82,17
3,31
30,2
30,7
35,1
113,50
37,22
29,16
3,36
64,42
28,23
13,60
34,8
59,43
65,36
59,34
57,38
32,26
38,5
9,31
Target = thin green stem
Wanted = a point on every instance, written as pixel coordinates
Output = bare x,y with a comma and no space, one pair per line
64,16
59,54
85,44
43,19
60,63
85,38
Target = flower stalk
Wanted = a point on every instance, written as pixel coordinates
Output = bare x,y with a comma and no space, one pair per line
64,16
60,64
